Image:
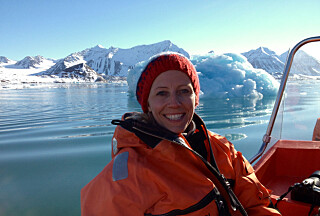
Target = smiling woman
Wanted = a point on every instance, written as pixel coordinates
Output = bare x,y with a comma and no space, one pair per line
172,101
165,161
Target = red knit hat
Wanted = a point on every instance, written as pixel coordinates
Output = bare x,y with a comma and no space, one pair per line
160,64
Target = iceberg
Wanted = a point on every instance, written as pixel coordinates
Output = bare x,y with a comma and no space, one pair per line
227,75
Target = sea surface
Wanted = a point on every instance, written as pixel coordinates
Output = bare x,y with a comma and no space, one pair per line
54,140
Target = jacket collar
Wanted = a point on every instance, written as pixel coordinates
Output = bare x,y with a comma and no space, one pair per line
147,131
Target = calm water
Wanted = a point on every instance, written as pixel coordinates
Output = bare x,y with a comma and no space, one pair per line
53,141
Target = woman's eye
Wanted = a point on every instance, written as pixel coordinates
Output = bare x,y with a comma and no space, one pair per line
161,93
184,91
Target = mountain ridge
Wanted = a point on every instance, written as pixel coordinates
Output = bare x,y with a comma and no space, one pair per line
116,62
113,61
268,60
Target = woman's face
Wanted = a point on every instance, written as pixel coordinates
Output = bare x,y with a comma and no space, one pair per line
172,100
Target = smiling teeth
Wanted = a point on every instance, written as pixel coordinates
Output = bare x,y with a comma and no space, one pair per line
174,117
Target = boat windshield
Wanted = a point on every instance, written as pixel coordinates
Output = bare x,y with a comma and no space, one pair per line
300,105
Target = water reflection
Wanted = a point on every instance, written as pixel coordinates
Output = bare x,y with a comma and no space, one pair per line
234,112
299,110
53,141
133,105
235,137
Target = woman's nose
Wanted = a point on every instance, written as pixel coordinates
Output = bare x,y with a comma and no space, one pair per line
174,100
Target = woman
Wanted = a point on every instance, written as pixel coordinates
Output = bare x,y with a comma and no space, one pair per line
165,161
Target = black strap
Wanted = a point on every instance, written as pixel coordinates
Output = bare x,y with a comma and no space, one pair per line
292,187
198,120
147,133
285,194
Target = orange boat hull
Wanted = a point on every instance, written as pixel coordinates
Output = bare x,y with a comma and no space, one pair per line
286,163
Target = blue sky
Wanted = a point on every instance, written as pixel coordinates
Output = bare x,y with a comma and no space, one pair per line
57,28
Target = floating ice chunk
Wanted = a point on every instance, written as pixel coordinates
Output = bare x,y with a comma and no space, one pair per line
231,75
223,76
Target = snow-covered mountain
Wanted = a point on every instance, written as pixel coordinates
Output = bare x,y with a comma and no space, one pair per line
31,62
263,58
80,72
5,60
113,61
304,64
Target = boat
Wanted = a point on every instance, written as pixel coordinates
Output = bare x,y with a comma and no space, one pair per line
290,167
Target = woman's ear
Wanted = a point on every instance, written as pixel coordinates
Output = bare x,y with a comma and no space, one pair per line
196,101
149,109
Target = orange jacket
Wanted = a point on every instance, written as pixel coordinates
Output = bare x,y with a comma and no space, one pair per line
169,179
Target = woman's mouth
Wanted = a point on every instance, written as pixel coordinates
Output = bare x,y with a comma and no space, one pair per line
174,117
